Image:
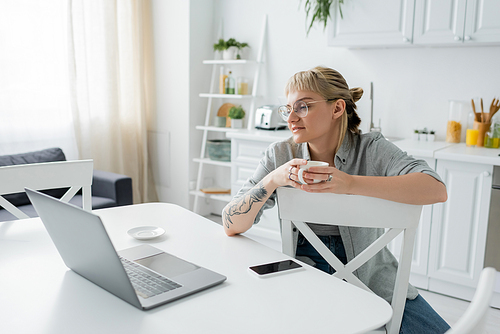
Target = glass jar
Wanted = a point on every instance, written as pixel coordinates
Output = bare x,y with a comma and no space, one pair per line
492,137
454,126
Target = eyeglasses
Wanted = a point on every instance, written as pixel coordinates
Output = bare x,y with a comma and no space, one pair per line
300,107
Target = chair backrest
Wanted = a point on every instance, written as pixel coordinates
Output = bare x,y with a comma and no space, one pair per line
472,321
48,175
296,207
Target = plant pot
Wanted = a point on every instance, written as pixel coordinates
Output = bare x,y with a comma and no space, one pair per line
237,123
230,53
240,54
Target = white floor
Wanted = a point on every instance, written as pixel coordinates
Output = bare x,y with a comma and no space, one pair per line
450,309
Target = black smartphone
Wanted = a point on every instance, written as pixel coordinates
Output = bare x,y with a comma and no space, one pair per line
274,267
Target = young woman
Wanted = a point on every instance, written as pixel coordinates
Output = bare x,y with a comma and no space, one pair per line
321,114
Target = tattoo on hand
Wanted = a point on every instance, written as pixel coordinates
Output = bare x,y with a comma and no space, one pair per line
244,205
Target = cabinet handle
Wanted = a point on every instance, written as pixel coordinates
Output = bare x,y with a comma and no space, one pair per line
486,174
467,38
458,38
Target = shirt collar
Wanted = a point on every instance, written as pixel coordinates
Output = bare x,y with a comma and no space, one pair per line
342,153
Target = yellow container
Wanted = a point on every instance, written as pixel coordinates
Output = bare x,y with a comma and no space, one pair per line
471,137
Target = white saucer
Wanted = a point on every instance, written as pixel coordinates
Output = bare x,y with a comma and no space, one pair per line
146,232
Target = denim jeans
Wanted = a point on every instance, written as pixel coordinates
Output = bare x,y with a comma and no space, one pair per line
418,317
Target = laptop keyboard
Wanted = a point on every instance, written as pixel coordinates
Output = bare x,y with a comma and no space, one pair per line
147,283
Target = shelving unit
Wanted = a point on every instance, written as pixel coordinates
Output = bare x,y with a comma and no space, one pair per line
207,128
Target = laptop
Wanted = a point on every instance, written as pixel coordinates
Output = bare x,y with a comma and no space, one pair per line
143,276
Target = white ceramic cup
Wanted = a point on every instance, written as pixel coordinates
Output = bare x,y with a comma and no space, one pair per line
303,168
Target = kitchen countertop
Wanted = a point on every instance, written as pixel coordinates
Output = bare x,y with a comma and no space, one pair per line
426,149
260,135
435,149
460,152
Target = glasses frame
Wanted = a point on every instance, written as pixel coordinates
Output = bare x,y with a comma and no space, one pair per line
290,109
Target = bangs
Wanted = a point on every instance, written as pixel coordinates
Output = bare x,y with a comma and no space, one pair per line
305,81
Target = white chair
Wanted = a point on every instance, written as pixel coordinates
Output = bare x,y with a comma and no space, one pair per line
472,321
295,207
49,175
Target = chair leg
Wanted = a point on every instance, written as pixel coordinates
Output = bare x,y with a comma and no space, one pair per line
287,238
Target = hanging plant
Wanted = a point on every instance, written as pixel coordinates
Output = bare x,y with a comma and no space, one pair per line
319,10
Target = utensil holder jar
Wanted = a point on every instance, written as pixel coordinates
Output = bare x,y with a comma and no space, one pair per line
482,129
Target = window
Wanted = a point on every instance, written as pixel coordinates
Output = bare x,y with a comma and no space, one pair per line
34,91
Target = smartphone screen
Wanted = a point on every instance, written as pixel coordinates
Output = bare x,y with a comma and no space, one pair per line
269,268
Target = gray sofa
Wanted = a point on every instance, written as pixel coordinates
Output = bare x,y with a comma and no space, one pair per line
108,189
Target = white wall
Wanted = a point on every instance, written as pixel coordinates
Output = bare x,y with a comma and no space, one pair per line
412,86
169,131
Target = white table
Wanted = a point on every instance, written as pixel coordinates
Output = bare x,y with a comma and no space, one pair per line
40,295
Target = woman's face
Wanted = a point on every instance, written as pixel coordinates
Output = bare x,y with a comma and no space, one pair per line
319,125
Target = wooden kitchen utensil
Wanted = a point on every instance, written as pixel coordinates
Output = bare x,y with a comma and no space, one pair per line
477,116
494,107
482,111
482,128
224,111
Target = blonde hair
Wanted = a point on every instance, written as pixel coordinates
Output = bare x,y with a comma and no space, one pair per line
331,85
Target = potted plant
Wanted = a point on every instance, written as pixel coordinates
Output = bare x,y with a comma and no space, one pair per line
231,49
431,136
416,134
320,11
236,115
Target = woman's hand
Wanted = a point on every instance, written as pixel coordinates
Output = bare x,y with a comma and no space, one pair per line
332,180
286,174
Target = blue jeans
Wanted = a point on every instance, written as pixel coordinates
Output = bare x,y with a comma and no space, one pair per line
418,317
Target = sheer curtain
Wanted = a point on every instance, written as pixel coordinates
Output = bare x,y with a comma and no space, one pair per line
111,86
34,99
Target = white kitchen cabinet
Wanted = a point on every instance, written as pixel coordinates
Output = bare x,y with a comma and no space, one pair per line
418,275
459,226
481,22
400,23
456,22
372,23
439,21
247,149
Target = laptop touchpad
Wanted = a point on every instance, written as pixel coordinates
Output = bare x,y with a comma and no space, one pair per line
167,265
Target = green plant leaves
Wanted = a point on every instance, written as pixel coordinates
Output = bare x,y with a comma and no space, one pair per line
320,11
222,45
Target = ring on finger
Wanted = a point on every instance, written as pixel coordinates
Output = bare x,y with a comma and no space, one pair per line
290,177
290,170
330,177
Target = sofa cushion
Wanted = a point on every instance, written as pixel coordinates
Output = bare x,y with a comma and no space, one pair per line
97,202
27,209
47,155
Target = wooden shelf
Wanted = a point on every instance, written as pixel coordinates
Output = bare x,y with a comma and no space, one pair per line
248,101
216,128
213,162
217,197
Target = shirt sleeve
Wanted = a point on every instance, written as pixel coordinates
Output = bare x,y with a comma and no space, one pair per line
390,160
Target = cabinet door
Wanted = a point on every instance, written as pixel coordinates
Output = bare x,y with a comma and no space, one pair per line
458,232
482,22
245,157
421,248
372,23
439,22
